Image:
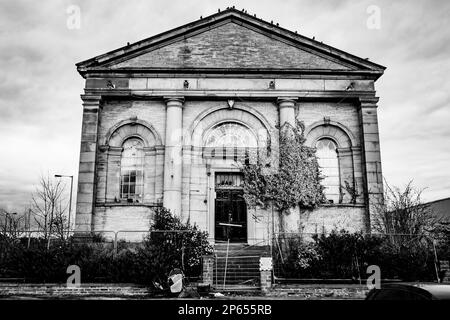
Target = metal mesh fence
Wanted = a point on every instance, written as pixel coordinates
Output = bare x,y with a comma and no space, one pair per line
306,256
117,256
346,256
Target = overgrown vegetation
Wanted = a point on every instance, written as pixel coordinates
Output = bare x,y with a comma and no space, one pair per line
171,244
344,255
407,240
174,244
296,182
404,212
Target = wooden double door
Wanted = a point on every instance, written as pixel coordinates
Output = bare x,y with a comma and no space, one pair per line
230,215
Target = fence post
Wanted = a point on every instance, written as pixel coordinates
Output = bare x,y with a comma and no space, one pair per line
182,257
436,261
226,265
115,242
29,240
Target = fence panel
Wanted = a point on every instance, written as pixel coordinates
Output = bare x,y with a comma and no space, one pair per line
346,256
172,248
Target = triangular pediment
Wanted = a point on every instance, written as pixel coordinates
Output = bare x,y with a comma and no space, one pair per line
230,46
229,40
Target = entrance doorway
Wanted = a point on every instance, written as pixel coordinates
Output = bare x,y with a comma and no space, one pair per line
230,208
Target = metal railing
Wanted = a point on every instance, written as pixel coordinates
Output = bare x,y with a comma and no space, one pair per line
76,236
182,252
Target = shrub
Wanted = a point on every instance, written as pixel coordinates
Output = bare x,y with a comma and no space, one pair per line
345,255
442,235
154,258
172,244
298,258
337,254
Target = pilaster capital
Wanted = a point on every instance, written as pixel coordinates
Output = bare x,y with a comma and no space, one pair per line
91,101
288,102
368,102
174,101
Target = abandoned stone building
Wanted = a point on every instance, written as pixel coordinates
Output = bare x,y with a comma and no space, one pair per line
168,120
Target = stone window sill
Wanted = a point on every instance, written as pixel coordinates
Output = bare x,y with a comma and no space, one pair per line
129,204
351,205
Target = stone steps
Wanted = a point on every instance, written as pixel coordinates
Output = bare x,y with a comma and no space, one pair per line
242,265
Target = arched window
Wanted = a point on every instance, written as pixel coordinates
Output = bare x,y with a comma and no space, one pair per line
131,170
329,166
230,140
230,135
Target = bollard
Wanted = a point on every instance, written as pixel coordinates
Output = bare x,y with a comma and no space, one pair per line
265,269
208,270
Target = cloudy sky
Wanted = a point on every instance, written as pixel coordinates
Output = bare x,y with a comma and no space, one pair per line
40,108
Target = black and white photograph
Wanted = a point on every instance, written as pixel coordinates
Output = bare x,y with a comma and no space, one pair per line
223,158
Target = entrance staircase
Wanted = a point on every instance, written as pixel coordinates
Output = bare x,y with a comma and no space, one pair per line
240,271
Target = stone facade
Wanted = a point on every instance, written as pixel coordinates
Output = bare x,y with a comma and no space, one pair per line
174,92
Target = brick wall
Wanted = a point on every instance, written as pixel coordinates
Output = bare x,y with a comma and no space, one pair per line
153,112
123,218
344,113
327,218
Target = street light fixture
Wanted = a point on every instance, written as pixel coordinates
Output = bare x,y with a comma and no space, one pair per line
70,200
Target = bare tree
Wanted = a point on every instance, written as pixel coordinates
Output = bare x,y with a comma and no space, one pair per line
404,212
49,208
12,224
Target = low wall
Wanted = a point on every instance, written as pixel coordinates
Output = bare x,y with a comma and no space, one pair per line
319,292
57,290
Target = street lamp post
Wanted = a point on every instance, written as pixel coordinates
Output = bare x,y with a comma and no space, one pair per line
29,227
70,199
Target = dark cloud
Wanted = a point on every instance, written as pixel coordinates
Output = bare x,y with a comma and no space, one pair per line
40,107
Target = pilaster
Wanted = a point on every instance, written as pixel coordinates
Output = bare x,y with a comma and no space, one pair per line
87,167
371,157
